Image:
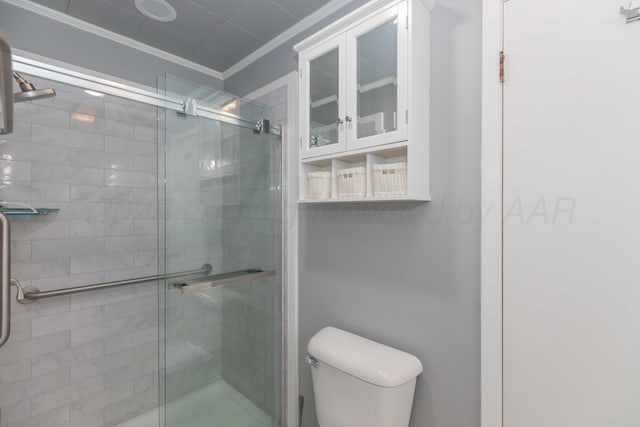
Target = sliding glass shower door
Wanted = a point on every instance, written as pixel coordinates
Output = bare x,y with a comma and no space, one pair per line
221,331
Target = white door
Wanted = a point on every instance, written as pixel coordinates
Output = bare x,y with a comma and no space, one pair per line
572,215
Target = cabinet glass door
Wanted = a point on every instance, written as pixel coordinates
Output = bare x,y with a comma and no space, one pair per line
323,103
376,110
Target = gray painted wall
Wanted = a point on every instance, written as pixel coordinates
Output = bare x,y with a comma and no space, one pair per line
407,275
37,34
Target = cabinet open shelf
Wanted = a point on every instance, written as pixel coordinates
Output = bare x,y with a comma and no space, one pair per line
366,158
373,199
390,150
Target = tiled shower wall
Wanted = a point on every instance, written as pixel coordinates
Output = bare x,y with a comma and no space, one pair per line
251,238
87,359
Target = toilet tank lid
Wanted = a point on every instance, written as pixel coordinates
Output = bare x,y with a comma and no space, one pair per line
362,358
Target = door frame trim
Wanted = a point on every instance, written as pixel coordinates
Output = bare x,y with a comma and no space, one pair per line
289,238
492,213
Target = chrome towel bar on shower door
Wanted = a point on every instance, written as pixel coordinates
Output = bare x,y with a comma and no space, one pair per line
224,279
27,295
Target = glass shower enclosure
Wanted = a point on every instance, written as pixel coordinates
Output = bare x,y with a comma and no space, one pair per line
220,210
147,282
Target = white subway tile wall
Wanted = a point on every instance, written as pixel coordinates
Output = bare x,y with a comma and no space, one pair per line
87,359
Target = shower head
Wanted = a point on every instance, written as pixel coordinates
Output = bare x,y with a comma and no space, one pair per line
29,91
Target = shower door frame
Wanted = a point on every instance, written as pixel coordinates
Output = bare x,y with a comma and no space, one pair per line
289,240
126,90
43,67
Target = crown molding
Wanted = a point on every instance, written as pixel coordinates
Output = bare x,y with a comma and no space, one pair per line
110,35
348,20
302,25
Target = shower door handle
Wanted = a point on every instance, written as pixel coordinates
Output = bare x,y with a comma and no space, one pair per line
5,280
6,86
222,280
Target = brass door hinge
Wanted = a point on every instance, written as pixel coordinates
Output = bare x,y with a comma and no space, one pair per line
502,56
407,25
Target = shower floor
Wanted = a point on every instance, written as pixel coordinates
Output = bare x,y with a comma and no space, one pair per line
218,405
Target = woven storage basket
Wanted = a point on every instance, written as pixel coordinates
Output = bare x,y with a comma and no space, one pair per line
389,179
352,182
319,185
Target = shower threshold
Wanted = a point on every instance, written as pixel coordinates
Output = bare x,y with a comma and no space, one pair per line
217,405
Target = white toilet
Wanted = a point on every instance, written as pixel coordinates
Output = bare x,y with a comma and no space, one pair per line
361,383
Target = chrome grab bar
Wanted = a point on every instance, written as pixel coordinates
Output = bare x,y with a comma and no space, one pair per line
6,86
222,280
27,295
5,280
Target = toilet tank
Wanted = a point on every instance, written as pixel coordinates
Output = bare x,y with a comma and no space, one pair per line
361,383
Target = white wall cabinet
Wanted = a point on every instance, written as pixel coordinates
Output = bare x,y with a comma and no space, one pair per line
364,96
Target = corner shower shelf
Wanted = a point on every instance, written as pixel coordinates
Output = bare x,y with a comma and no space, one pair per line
27,211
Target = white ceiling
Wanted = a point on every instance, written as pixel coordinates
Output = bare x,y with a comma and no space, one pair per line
213,33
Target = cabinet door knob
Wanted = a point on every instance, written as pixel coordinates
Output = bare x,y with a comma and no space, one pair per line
339,121
348,119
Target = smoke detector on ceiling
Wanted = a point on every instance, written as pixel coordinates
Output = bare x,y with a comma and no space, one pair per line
158,10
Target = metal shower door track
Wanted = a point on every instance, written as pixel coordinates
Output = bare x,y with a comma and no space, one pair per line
86,81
